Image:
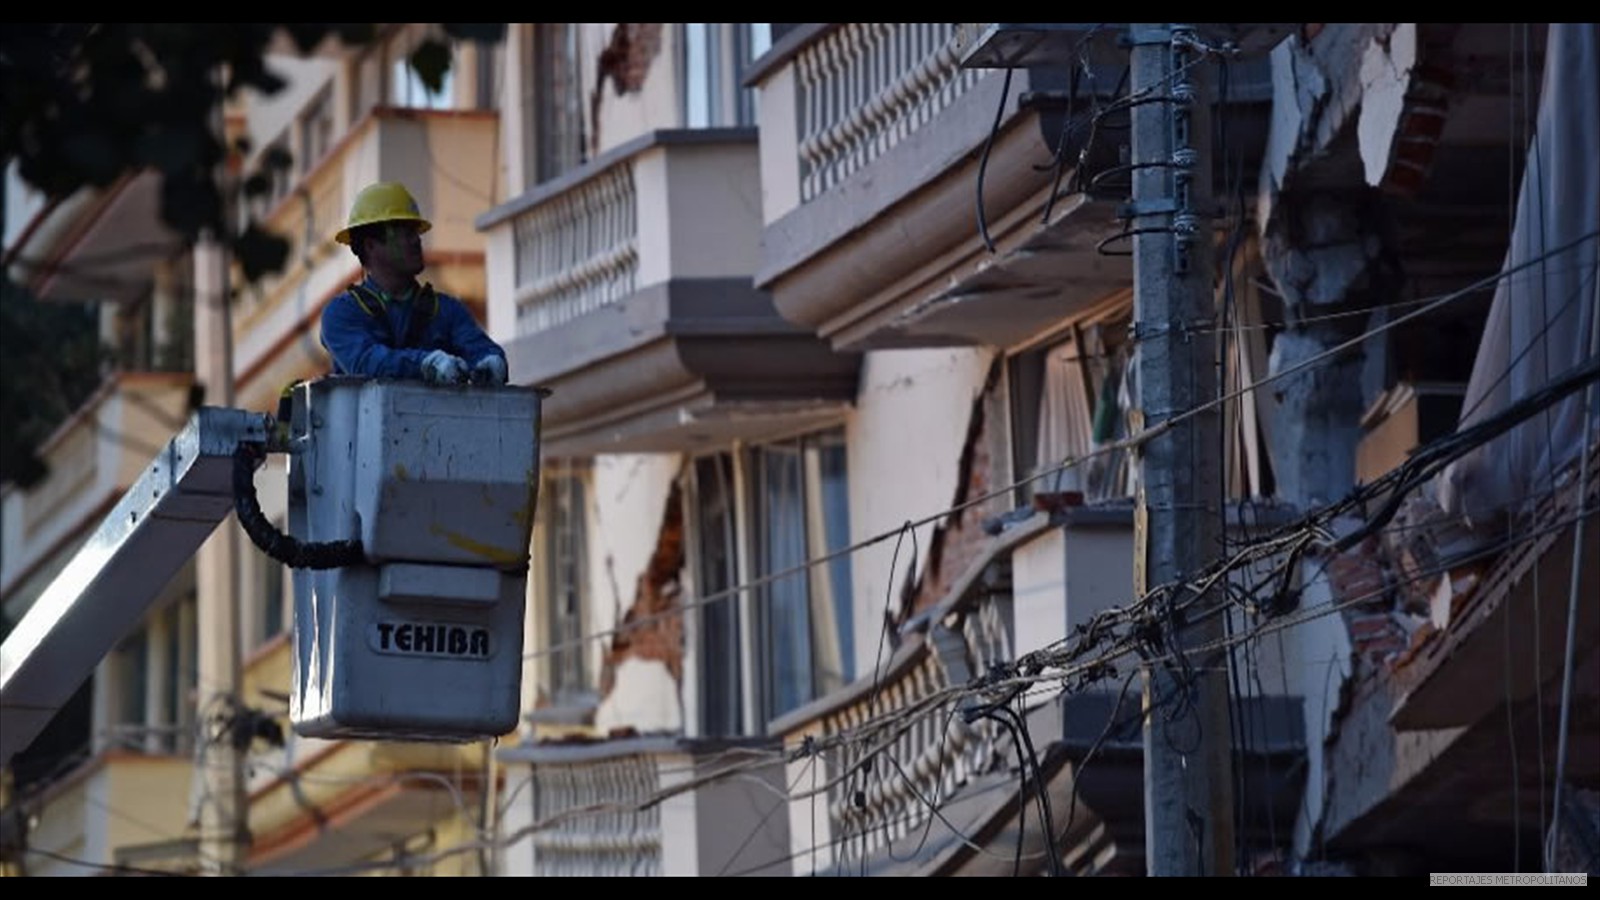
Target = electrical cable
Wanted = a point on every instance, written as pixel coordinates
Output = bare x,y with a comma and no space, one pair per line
1569,651
1022,803
1144,436
983,161
1255,634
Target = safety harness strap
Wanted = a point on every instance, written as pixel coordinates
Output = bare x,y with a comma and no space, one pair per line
374,305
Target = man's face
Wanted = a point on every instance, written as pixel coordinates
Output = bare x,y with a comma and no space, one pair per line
397,248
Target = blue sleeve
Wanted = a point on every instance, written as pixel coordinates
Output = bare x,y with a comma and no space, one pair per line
470,341
358,343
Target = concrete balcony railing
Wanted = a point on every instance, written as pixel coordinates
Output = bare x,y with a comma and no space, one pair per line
317,805
93,457
577,253
877,148
923,752
445,158
863,88
114,802
647,806
624,286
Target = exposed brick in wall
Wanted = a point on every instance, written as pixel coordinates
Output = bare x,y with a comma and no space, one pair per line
1384,623
1359,577
657,636
957,541
1422,119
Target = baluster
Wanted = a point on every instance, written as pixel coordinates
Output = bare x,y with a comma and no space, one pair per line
883,79
904,98
859,68
838,76
805,75
816,137
590,272
844,135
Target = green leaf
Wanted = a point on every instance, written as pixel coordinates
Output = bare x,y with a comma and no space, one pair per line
257,185
277,157
431,60
259,252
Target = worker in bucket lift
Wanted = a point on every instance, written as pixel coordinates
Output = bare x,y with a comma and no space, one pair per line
389,325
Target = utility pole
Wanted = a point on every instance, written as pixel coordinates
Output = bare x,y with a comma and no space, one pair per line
1188,754
224,834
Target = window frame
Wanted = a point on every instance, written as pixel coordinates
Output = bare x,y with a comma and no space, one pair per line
317,128
1026,376
555,140
757,692
566,594
728,49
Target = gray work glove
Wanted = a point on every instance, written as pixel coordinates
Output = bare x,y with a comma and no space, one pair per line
441,367
490,370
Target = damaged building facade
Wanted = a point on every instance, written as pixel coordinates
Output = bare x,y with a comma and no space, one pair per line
817,484
840,456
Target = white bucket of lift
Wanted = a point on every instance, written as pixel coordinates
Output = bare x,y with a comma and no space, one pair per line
423,640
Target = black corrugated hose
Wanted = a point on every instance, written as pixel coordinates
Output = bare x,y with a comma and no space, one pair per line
282,547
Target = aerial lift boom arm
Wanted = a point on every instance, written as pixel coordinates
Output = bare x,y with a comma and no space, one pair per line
109,585
410,513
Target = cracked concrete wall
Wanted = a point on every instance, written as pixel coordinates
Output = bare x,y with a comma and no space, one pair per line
1327,241
630,83
905,445
1343,101
631,492
623,101
1324,646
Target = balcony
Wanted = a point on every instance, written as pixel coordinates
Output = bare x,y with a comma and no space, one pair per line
625,287
1420,755
325,805
94,457
443,157
648,806
97,245
1041,583
116,801
877,146
927,755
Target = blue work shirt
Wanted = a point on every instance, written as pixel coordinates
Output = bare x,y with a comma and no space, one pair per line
385,343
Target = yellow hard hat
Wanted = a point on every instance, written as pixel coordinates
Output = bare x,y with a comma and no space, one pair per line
383,201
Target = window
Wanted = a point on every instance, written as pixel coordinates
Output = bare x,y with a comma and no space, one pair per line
276,165
565,585
132,677
272,620
406,88
151,676
316,130
802,511
751,40
556,98
798,627
410,91
715,567
1069,398
714,59
701,76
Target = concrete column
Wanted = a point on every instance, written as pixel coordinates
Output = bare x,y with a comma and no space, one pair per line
1329,254
223,834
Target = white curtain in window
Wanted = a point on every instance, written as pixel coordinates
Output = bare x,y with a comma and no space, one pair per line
1065,427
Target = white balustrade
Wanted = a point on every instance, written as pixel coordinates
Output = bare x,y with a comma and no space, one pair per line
577,252
866,86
